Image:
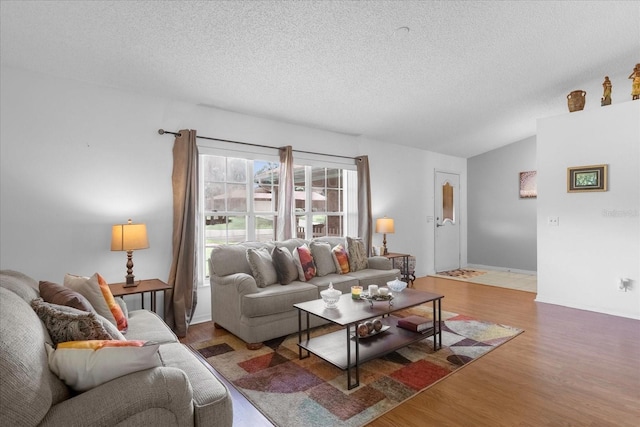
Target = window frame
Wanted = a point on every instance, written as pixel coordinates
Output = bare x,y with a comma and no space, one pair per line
255,153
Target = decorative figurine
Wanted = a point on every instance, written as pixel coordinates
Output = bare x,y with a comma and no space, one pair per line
576,100
606,96
635,85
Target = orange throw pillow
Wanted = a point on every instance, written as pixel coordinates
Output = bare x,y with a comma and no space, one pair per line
97,291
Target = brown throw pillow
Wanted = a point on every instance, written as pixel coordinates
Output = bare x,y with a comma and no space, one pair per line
61,295
284,264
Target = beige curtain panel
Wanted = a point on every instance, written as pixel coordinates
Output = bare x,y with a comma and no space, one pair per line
181,301
286,201
364,202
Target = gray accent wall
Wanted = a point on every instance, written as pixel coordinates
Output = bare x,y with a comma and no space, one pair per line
501,225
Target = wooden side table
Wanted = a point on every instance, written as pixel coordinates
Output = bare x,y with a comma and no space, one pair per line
406,274
150,285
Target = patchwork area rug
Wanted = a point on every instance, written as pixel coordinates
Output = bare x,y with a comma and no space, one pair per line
461,273
312,392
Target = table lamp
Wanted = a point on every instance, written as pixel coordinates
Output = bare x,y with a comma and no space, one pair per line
129,237
384,225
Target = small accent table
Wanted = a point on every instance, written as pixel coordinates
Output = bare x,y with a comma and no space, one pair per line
406,274
150,285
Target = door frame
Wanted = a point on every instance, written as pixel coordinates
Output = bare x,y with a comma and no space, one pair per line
460,216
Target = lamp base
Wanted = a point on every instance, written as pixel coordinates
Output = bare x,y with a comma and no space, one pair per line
130,283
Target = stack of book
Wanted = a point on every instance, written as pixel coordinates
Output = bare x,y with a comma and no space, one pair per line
415,323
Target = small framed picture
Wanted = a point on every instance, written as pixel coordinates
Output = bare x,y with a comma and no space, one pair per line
587,178
528,188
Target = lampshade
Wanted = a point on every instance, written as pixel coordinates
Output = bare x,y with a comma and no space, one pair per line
129,237
385,225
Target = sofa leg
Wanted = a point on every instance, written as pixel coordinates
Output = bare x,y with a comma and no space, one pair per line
215,325
254,345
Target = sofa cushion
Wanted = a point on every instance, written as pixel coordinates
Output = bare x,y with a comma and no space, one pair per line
27,387
229,259
322,258
277,299
83,365
69,324
97,291
285,265
262,268
341,282
61,295
211,400
370,276
304,262
332,240
291,244
148,326
340,259
357,254
20,284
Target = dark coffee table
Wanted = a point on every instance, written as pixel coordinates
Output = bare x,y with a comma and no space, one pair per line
337,347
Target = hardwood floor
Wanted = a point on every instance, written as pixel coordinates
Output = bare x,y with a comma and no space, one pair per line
569,368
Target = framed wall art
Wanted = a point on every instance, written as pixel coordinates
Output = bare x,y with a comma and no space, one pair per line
587,178
528,186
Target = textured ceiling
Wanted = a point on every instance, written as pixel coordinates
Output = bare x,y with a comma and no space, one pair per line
467,77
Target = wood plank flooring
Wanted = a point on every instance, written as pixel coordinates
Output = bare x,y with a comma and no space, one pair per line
569,368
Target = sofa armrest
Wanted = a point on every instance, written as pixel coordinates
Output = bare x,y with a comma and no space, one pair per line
164,392
380,263
243,283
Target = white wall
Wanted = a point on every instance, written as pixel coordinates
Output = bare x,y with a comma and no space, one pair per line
598,237
77,158
502,226
402,182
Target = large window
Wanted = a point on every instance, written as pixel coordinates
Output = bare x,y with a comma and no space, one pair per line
238,201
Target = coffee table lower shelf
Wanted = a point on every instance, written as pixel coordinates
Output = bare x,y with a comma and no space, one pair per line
332,347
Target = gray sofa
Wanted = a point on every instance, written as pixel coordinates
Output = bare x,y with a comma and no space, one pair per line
257,314
183,391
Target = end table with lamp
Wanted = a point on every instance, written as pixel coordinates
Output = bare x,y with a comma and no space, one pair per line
129,237
407,275
142,286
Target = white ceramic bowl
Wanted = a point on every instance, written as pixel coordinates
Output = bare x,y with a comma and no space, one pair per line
397,285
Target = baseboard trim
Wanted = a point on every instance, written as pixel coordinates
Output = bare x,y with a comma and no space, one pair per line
510,270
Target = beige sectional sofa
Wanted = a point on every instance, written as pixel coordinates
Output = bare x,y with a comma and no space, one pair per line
180,391
257,314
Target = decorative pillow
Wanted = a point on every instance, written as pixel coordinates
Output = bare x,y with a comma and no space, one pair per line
97,291
123,306
322,257
304,262
69,324
357,254
262,267
285,265
296,261
83,365
61,295
340,259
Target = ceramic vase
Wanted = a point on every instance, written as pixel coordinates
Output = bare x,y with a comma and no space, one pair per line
576,100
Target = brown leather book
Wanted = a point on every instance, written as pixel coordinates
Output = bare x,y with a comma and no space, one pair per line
415,323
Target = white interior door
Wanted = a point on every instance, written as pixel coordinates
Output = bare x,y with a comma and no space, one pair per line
447,213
